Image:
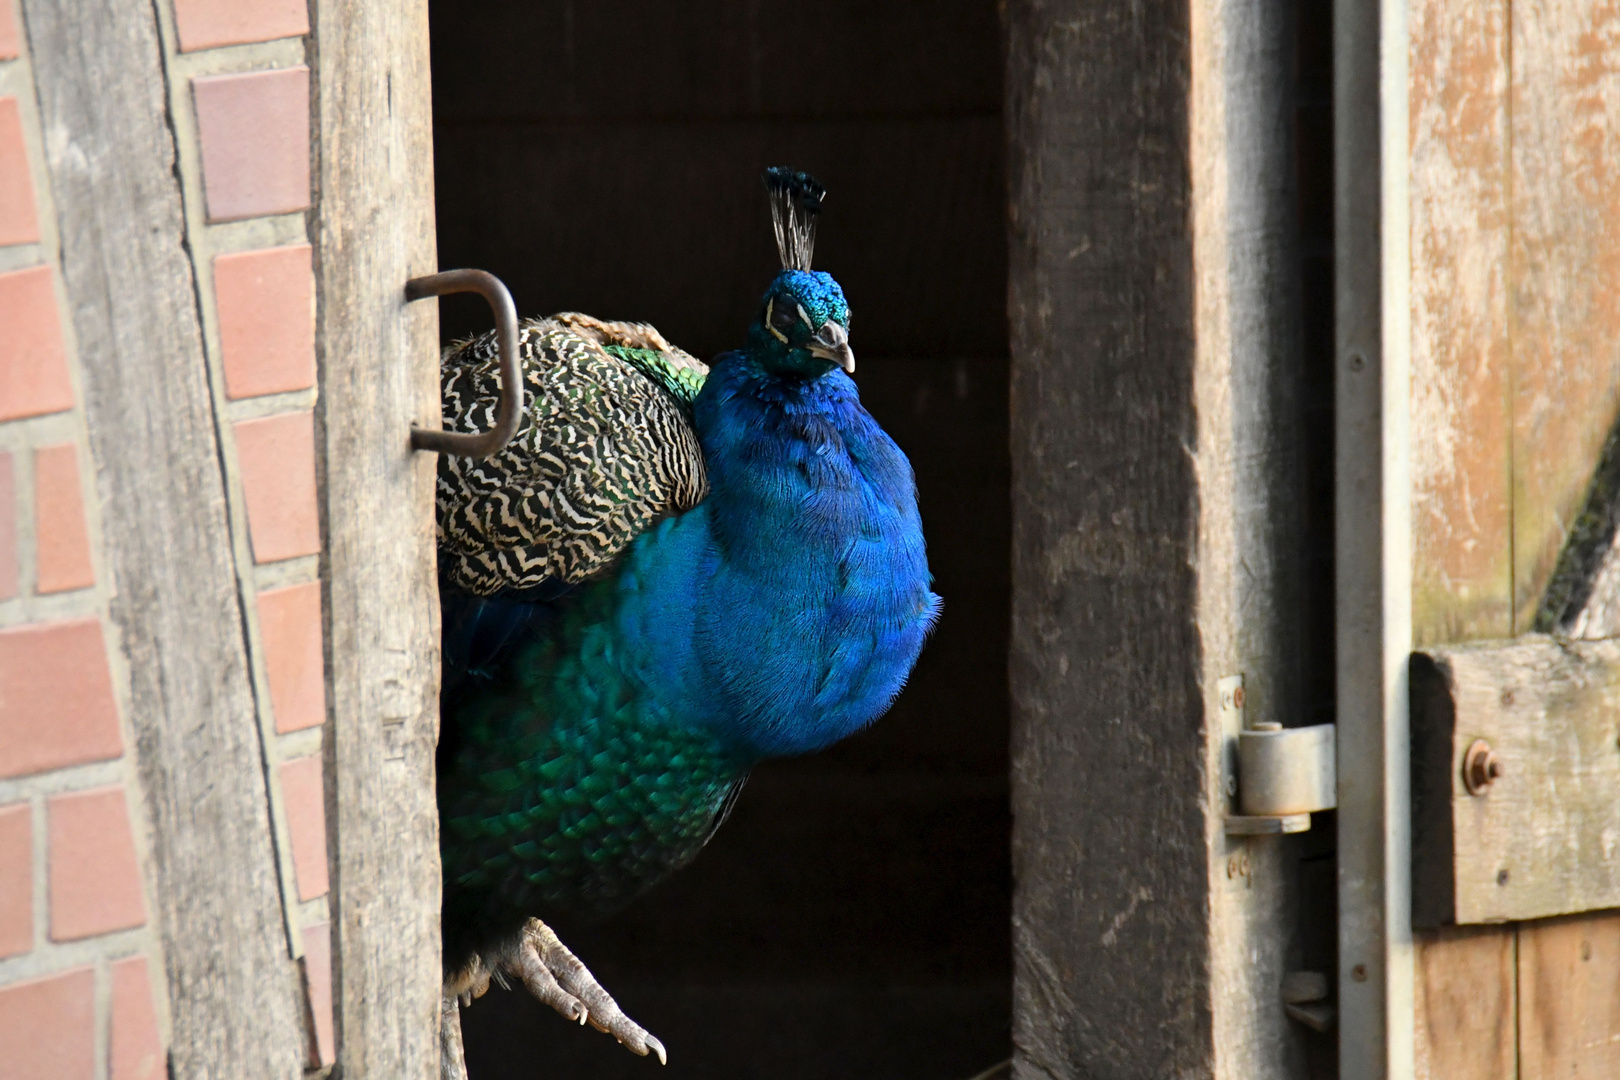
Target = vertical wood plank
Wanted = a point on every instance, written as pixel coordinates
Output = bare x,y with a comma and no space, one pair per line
1569,997
1462,450
235,999
1465,1004
1565,270
1566,321
1110,928
1155,349
1462,576
378,375
1246,398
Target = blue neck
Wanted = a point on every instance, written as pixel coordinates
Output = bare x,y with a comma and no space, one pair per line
812,599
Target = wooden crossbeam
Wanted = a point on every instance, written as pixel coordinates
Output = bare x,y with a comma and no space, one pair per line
1539,839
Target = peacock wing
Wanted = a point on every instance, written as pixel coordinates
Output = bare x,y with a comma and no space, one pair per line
605,449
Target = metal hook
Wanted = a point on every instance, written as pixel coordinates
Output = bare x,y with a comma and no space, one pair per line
509,413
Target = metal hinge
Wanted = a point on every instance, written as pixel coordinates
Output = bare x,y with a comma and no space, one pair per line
1276,777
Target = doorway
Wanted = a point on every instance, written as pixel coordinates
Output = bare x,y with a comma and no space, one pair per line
852,918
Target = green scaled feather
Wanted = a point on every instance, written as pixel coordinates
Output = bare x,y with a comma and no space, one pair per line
571,791
681,380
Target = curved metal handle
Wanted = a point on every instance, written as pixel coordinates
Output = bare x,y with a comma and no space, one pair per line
509,412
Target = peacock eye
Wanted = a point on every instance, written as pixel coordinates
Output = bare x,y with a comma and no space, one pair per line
783,315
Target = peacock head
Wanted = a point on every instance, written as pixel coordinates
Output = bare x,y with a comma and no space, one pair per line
803,326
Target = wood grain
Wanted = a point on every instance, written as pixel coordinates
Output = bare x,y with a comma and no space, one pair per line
1541,839
1461,453
1466,983
234,995
378,375
1104,516
1565,271
1154,350
1566,274
1569,997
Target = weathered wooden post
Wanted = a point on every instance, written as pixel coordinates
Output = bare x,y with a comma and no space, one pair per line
1155,345
218,650
378,378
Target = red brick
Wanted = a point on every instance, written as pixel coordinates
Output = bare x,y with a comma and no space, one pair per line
318,983
276,456
208,24
94,875
48,1027
33,361
135,1048
10,42
8,527
62,540
253,129
18,223
305,803
266,320
56,698
290,627
16,879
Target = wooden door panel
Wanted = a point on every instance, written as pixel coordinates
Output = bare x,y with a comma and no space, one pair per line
1462,577
1569,997
1515,159
1565,271
1462,465
1465,1004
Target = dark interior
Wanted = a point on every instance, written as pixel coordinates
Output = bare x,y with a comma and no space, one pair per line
852,918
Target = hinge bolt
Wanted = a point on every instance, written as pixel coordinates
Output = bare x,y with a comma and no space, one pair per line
1481,767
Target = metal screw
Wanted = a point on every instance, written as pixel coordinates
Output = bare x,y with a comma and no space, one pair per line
1237,698
1359,973
1507,697
1480,767
1357,361
1502,876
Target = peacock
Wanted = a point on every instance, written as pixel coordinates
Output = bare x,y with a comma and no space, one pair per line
670,574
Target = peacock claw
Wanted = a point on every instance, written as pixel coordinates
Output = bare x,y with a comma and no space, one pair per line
554,975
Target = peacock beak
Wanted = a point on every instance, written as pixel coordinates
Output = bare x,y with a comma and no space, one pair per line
831,342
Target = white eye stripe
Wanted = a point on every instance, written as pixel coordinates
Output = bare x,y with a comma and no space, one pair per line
805,315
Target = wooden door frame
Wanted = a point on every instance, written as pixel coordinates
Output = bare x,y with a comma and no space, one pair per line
1373,557
378,376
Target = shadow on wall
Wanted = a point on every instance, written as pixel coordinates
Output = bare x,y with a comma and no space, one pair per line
851,919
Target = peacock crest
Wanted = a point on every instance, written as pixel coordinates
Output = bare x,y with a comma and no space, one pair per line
795,204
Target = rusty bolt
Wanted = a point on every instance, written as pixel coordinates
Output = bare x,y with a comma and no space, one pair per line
1359,973
1480,767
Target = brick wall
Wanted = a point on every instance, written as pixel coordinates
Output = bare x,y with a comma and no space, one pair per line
82,988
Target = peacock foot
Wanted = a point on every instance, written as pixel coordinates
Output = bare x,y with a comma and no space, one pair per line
542,963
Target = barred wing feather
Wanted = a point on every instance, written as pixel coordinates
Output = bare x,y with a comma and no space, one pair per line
605,449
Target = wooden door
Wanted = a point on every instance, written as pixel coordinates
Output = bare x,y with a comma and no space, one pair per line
1515,200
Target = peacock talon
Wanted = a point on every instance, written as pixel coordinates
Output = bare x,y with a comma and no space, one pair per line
547,969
